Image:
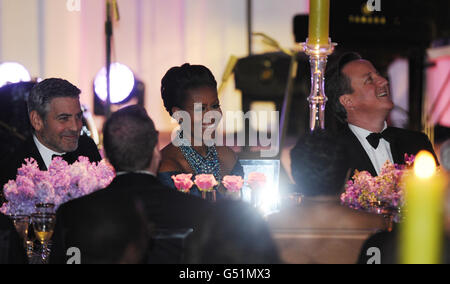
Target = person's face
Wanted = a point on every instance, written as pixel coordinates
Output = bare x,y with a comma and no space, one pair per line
371,91
61,128
202,100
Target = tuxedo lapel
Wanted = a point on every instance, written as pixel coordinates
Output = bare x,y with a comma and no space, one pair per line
397,155
359,159
34,153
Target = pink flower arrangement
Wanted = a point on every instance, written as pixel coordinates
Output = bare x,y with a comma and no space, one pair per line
256,180
384,192
61,183
233,183
205,182
183,182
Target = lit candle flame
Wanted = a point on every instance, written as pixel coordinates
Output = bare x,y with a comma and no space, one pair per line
425,165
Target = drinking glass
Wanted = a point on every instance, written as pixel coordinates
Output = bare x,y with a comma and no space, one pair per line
43,225
21,222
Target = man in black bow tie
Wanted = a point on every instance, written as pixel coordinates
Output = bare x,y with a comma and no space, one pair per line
56,117
360,99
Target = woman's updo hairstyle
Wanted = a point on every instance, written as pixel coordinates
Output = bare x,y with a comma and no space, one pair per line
179,80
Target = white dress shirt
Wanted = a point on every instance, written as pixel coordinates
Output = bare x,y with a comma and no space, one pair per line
45,152
378,156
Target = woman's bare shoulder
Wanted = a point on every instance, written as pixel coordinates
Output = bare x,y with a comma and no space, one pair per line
169,159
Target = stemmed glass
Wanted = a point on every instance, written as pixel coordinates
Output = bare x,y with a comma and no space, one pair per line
22,222
43,225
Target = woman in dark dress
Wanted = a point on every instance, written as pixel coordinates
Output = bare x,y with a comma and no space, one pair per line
192,89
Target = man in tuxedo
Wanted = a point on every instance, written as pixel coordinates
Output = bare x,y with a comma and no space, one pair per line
361,100
56,118
130,143
319,170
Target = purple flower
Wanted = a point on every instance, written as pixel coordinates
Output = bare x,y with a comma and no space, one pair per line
384,191
60,184
409,160
57,165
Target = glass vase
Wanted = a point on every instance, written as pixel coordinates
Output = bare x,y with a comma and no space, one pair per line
234,195
256,199
209,195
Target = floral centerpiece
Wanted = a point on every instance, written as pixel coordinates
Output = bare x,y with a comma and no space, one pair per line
256,181
383,194
183,182
233,185
60,184
206,184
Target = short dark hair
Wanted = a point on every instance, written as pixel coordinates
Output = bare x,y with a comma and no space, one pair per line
338,84
318,163
179,80
129,138
42,94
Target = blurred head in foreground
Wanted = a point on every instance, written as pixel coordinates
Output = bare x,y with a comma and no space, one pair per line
318,164
234,234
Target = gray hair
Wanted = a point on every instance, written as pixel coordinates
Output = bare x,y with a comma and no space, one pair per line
42,94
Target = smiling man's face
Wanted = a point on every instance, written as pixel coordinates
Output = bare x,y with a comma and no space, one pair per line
61,128
371,90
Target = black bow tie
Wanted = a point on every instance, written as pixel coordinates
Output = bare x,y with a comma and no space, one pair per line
374,138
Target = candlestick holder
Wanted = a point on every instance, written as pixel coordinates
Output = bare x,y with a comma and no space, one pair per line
318,58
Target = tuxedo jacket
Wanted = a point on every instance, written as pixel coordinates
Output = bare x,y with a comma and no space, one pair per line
11,247
28,149
165,209
405,142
